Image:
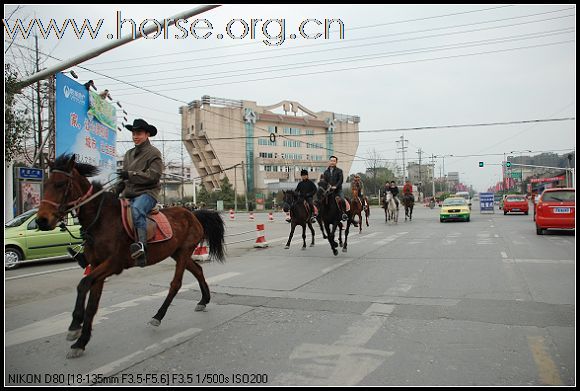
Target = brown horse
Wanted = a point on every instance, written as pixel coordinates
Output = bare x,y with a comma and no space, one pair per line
107,244
357,208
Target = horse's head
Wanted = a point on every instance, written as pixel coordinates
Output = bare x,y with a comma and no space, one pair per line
63,189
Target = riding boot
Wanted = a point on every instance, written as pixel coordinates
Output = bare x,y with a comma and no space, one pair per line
138,249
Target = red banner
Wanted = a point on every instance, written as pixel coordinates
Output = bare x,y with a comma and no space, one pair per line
554,179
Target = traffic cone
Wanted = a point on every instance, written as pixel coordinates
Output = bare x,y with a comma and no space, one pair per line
200,253
232,215
252,216
87,270
261,238
270,217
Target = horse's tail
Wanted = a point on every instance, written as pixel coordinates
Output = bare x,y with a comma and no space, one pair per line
214,231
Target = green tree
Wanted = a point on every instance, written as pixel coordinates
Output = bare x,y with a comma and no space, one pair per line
16,125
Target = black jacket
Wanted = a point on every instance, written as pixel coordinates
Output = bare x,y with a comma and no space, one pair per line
306,188
394,190
335,179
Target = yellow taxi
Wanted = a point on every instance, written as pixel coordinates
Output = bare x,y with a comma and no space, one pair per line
454,208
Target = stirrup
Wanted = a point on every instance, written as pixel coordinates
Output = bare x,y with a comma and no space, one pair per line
344,217
137,250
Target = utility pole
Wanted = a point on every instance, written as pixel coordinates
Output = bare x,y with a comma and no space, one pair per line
433,174
235,188
245,185
182,176
420,153
164,176
39,105
51,118
403,150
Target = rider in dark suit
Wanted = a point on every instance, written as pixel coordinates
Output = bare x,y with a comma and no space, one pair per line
307,190
334,176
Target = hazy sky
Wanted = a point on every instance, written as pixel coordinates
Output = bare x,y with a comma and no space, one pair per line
398,66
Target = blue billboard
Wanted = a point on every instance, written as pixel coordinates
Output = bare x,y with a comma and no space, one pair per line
85,126
486,201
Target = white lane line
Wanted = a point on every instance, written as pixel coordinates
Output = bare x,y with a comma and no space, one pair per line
45,272
545,261
331,268
504,254
151,350
58,324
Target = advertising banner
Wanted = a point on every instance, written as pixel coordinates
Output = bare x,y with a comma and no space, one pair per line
86,126
486,202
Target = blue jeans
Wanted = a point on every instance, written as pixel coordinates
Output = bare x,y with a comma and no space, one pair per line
140,208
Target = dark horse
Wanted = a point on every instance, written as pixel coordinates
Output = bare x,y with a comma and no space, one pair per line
296,205
329,213
409,203
107,244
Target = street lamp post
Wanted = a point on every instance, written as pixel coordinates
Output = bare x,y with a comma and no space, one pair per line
444,175
521,167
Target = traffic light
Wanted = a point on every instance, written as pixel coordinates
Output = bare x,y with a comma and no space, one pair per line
480,164
508,164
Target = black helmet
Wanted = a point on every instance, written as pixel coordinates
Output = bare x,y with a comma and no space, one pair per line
304,172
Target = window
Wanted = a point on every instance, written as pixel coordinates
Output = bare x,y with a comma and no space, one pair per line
558,196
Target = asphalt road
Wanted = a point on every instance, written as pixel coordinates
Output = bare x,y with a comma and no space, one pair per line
486,302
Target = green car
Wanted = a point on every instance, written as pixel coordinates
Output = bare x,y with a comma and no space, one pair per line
24,242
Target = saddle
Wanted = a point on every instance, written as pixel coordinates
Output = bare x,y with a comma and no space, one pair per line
307,206
158,227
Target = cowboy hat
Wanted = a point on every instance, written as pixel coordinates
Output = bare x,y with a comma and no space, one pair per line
141,124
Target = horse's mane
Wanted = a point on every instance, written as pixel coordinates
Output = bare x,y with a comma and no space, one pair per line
86,170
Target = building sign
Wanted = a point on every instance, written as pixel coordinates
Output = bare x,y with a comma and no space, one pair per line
30,173
516,174
554,179
486,202
85,126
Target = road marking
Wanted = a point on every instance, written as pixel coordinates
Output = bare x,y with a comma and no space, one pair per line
152,350
331,268
345,362
41,273
379,309
504,254
547,261
547,369
59,323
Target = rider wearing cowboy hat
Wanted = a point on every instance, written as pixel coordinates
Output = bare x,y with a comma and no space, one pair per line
141,174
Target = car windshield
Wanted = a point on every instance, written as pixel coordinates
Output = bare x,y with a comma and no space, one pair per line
18,220
516,199
559,196
454,201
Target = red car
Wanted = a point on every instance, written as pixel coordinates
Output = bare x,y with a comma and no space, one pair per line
556,208
515,203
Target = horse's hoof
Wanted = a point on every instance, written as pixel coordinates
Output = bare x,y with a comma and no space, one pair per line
154,322
73,335
335,251
286,247
311,244
200,307
344,250
303,247
75,353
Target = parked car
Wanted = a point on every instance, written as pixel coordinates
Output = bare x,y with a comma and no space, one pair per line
454,208
516,203
24,242
556,209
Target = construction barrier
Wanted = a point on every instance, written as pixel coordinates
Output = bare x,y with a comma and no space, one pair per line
261,238
201,252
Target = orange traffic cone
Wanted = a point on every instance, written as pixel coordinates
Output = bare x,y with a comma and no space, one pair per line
200,253
252,218
261,238
270,217
232,215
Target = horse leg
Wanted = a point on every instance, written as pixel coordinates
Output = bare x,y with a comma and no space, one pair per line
311,231
291,234
339,234
344,248
334,250
181,257
197,272
321,228
83,288
304,237
360,222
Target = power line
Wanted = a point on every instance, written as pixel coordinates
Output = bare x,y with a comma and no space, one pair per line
340,48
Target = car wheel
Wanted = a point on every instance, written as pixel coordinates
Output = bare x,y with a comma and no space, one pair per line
539,231
12,258
467,220
504,213
441,220
526,213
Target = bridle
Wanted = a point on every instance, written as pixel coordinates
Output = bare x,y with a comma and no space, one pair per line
63,207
